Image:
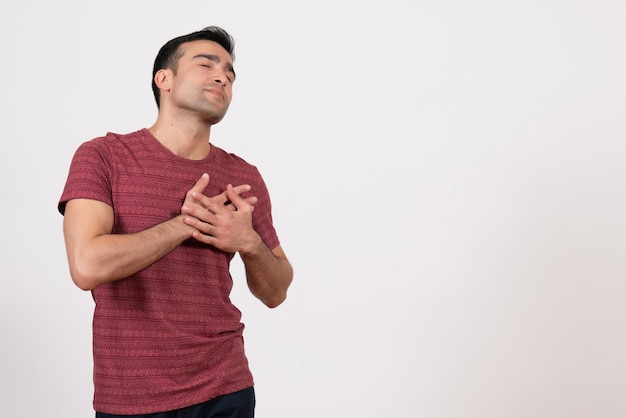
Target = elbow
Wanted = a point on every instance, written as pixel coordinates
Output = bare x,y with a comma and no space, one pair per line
82,281
278,295
84,285
275,301
84,278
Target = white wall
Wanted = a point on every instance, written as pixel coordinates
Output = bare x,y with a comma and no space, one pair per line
448,180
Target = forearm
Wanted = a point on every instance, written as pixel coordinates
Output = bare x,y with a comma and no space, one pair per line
268,273
110,257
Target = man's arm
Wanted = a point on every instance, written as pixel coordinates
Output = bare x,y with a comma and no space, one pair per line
97,256
268,272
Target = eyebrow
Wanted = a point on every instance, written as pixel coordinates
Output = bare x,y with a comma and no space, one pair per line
216,60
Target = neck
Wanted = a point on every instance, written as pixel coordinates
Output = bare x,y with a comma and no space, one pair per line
187,140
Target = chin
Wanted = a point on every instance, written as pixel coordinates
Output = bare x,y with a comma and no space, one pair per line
214,117
214,120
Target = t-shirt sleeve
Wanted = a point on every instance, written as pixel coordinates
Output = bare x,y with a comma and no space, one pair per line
262,215
89,176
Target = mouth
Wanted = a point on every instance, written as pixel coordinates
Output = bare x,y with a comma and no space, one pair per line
216,92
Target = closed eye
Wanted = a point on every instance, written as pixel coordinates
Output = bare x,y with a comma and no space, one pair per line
209,60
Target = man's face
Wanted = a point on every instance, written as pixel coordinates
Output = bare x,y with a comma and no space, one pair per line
203,81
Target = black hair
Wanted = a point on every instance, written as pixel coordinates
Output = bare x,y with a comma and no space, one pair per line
170,53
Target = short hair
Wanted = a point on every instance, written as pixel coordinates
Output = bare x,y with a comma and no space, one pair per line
170,53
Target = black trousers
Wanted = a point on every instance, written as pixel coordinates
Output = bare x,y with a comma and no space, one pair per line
234,405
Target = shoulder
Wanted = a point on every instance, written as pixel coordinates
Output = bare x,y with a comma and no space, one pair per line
228,167
225,158
111,143
113,139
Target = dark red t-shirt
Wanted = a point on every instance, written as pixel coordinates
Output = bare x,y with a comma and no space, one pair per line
167,336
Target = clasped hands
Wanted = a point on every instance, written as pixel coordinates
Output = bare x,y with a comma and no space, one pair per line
223,221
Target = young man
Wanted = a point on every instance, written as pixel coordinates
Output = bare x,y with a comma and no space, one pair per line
151,221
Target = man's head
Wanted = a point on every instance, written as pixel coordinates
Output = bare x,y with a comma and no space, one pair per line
170,53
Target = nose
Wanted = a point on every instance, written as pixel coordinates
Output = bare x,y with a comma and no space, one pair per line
220,77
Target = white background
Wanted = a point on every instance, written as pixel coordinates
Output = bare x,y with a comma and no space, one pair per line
448,180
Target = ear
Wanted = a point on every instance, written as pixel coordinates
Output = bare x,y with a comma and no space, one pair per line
162,79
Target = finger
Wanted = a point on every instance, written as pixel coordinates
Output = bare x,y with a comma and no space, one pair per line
202,234
237,201
203,228
223,198
198,212
250,200
207,239
197,189
201,184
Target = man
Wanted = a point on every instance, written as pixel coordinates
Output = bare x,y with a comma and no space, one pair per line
151,222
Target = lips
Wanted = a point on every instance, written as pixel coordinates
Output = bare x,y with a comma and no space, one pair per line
216,92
